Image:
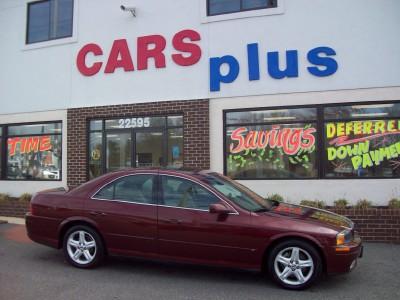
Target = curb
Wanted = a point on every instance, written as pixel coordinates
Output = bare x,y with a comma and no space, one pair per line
11,220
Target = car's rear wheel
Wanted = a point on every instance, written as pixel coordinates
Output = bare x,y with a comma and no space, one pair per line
82,247
294,264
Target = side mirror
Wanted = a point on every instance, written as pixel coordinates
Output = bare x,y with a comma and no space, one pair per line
275,203
219,209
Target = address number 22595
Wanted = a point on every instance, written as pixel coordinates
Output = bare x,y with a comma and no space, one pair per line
134,122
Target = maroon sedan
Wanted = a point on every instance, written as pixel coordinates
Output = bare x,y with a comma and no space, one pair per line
196,217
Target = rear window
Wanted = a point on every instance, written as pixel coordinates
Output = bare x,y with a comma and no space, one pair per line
134,188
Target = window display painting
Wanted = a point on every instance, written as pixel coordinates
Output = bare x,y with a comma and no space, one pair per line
367,148
34,158
272,151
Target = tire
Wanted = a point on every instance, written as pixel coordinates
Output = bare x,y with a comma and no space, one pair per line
83,247
294,264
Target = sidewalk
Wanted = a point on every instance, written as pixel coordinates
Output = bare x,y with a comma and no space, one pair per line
11,220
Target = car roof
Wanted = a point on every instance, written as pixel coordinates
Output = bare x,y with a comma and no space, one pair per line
110,176
185,171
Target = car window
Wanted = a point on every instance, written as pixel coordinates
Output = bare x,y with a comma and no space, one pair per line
179,192
237,193
106,192
135,188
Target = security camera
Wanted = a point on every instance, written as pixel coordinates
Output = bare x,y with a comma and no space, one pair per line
132,10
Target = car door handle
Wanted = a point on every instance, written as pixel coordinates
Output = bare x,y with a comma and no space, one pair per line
174,221
96,213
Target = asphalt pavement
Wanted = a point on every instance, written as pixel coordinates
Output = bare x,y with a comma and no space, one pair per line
32,271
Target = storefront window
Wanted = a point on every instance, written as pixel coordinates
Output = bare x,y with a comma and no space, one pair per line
139,141
175,121
365,142
95,154
325,141
34,152
96,125
48,128
149,149
267,144
175,148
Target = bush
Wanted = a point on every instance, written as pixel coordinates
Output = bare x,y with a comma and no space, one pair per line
275,197
394,203
313,203
363,203
341,203
25,197
4,197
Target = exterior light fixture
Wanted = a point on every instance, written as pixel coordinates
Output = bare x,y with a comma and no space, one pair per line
130,9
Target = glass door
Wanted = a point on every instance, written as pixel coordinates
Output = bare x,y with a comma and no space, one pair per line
149,148
119,149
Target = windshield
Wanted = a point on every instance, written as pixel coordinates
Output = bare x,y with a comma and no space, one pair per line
237,193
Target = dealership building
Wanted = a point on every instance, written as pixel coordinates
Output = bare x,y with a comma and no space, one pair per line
295,97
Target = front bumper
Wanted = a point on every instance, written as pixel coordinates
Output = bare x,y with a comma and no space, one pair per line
344,261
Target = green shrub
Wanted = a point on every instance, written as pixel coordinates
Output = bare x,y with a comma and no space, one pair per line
313,203
341,203
25,197
363,203
4,197
394,203
275,197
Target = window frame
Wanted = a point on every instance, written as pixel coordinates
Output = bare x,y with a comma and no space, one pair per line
164,129
205,18
321,135
28,5
4,149
241,9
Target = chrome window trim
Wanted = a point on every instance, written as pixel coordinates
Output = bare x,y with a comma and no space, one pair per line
123,201
235,212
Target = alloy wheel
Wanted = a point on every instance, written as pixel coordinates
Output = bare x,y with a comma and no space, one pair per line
294,266
81,247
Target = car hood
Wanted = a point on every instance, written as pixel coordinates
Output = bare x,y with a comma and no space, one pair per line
312,214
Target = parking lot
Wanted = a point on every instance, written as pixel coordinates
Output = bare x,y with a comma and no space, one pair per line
32,271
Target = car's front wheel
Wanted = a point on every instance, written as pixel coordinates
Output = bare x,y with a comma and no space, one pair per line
83,247
294,264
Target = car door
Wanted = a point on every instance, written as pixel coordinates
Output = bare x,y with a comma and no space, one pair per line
126,214
186,228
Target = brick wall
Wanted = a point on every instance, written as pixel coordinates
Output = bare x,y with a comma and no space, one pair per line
196,149
375,224
14,208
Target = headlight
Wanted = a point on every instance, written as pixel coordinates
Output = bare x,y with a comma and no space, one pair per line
344,237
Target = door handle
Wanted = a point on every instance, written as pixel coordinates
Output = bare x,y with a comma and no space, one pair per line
96,213
174,221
